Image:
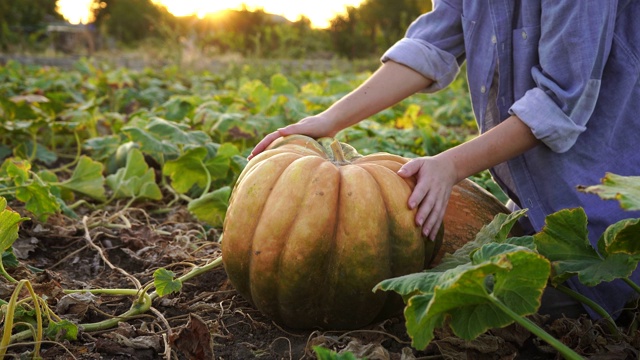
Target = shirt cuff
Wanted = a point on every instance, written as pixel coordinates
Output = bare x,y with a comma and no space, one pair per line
428,60
547,121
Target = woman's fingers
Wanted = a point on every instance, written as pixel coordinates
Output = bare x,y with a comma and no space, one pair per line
264,143
431,193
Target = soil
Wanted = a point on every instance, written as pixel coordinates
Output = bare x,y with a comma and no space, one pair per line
207,319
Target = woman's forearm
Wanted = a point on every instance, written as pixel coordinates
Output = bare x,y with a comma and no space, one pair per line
509,139
390,84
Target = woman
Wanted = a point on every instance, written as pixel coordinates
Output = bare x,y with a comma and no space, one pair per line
556,93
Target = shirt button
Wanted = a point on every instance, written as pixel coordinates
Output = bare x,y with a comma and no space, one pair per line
483,89
524,35
494,39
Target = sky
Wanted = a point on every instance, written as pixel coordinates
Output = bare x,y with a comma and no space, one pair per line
319,12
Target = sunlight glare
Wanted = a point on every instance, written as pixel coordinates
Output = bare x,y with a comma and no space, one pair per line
319,12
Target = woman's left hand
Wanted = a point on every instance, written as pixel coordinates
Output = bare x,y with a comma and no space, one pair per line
435,179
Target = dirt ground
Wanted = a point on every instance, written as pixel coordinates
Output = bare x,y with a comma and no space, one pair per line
208,319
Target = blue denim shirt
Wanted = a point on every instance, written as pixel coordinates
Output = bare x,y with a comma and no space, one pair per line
568,69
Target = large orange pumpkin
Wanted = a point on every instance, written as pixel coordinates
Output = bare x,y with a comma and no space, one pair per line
312,227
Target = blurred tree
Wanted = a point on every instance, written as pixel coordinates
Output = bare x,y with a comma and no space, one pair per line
23,19
130,21
374,26
348,35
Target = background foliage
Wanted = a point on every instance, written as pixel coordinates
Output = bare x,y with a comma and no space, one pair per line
360,32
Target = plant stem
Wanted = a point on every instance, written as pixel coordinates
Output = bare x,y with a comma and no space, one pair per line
563,349
633,285
593,305
195,272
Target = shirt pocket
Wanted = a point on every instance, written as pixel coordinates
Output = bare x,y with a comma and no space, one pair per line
525,56
468,27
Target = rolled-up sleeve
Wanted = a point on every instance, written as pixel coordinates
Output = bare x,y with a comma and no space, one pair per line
433,45
574,45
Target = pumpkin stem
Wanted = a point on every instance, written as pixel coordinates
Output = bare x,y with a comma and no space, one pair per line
338,154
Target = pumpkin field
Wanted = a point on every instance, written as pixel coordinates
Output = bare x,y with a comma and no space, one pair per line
117,197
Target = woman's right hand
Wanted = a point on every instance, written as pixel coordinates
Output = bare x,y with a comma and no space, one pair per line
316,126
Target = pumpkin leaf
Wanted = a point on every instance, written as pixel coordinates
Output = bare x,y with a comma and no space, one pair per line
328,354
187,170
63,330
176,133
496,231
220,164
87,179
623,237
165,282
625,189
135,180
564,241
472,295
38,198
211,207
149,143
9,225
18,170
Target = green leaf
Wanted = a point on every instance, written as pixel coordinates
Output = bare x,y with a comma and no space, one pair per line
38,198
9,225
165,282
497,230
281,85
211,207
623,237
564,241
17,169
328,354
515,279
187,170
220,164
135,180
149,143
625,189
9,259
63,330
87,179
176,133
25,150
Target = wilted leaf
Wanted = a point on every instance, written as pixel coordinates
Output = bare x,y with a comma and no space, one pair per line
625,189
29,98
194,340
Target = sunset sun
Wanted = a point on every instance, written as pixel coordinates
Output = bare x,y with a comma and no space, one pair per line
320,13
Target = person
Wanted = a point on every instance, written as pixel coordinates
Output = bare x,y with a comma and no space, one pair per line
555,89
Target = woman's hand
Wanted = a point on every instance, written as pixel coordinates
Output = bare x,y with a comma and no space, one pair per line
435,179
313,126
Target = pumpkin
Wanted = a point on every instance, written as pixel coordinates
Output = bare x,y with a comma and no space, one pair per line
470,208
312,227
